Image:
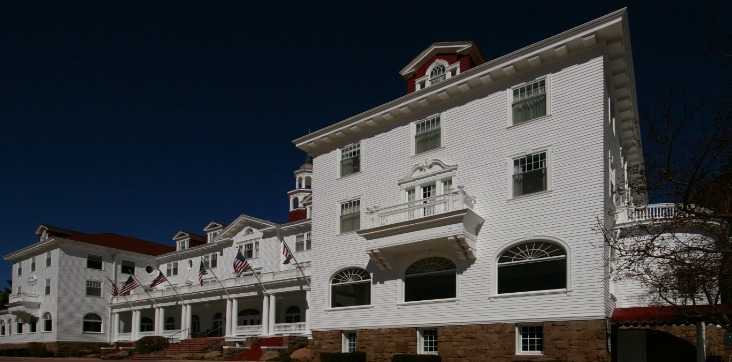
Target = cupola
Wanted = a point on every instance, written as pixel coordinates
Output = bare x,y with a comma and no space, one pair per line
440,62
300,196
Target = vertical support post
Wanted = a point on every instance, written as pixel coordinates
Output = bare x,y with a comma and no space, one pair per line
115,326
157,327
189,315
701,342
307,310
272,313
227,327
135,324
265,314
183,322
162,321
234,316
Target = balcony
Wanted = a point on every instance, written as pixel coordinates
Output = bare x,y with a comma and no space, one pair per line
26,300
443,221
648,213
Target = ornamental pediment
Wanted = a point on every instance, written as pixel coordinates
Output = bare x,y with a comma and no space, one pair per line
427,169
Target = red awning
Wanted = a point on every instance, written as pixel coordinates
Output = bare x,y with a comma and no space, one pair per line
670,314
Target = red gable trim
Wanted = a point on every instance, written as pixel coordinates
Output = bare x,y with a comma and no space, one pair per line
669,314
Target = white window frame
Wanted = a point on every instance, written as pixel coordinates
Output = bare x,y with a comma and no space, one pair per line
360,159
340,214
519,344
547,87
424,81
549,161
83,319
86,288
47,287
49,261
360,306
33,264
254,243
122,266
345,342
300,243
421,341
95,256
413,134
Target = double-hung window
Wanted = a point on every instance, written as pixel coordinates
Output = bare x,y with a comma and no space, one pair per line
214,260
33,264
350,159
128,267
529,101
300,242
308,241
427,341
428,134
171,269
529,174
48,259
350,215
530,340
20,268
94,262
349,342
250,249
93,288
48,287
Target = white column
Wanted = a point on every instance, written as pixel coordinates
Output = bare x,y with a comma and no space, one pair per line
183,325
701,342
272,313
307,311
156,322
162,321
234,315
135,324
115,326
265,314
189,314
227,328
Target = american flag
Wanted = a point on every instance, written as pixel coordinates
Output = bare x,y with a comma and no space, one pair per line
115,290
129,286
160,279
240,263
201,273
287,253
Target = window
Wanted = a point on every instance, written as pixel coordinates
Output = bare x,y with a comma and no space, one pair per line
308,182
33,324
350,287
300,242
205,262
427,134
92,323
47,322
447,186
2,328
48,287
292,314
295,203
33,264
214,260
128,267
308,241
529,174
532,265
19,327
438,74
430,278
427,341
428,192
170,324
94,262
529,340
350,216
175,268
529,101
146,324
20,290
171,269
48,259
349,342
93,288
183,244
350,159
249,317
251,250
20,269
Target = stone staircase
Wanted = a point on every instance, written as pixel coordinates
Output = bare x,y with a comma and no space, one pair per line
185,347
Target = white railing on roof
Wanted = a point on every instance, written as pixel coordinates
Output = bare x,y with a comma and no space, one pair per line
411,210
646,213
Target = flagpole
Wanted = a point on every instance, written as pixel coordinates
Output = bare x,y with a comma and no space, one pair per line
144,288
254,272
171,286
297,265
226,290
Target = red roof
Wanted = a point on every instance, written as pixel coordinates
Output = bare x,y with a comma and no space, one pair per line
114,241
669,314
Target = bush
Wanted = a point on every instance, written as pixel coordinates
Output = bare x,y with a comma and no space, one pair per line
151,344
416,358
343,357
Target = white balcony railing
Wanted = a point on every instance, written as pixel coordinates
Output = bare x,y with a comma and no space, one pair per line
646,213
411,210
286,328
24,298
252,330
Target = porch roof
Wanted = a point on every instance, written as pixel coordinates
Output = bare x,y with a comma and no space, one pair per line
660,315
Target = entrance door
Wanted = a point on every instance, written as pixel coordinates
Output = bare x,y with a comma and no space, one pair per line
218,325
195,325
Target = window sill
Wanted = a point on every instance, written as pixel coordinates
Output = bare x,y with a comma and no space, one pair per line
92,332
531,195
428,152
532,293
335,309
538,119
429,301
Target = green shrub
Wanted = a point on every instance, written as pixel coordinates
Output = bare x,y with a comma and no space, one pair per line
416,358
151,344
343,357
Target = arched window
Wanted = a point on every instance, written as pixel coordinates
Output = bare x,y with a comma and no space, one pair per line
308,182
47,322
146,324
292,314
299,182
438,73
532,265
2,328
430,278
170,324
92,323
350,287
249,317
295,203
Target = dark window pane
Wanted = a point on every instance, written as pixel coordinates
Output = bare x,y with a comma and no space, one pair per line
351,294
427,141
532,276
425,287
94,262
350,166
529,182
128,267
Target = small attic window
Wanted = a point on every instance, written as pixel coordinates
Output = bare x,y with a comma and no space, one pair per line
438,73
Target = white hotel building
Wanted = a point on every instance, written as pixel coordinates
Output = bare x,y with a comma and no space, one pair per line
459,219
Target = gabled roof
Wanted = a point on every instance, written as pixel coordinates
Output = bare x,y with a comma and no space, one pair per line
453,47
245,220
181,234
213,225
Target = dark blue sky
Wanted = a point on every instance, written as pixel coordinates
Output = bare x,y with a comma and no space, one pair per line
144,120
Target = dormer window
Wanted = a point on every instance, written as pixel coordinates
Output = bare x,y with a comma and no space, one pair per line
438,74
212,235
183,244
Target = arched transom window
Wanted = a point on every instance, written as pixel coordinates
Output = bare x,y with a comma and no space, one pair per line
430,278
350,287
532,265
438,73
92,323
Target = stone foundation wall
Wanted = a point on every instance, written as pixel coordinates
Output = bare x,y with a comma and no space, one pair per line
571,341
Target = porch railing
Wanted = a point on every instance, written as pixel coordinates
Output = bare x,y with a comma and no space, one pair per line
249,330
298,327
411,210
646,213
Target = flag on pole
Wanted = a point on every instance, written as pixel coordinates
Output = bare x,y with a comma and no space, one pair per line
240,263
160,279
115,290
287,253
129,286
201,273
